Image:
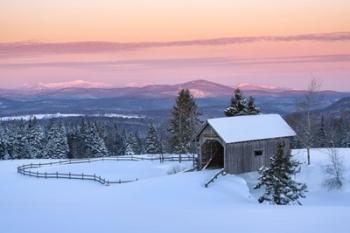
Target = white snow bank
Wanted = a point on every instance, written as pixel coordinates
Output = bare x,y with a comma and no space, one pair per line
167,203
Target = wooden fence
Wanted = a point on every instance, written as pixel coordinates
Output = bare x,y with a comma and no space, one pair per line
26,169
221,172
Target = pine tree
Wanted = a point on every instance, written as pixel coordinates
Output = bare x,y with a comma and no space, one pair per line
35,139
321,135
19,148
94,145
57,144
184,123
251,107
152,143
238,105
4,144
137,144
280,188
129,146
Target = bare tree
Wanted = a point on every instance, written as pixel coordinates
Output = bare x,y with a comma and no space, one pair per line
334,170
310,102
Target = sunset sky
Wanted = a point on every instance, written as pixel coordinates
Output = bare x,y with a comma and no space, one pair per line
140,42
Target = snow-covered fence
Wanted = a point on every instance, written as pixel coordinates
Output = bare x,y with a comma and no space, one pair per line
221,172
26,169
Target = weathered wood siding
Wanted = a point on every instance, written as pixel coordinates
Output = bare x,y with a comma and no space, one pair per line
207,134
240,158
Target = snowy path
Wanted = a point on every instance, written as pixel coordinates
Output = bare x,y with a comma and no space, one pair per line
176,203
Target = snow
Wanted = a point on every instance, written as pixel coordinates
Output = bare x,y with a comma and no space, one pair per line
114,170
249,128
167,203
70,84
62,115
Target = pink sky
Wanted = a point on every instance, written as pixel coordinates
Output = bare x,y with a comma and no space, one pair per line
280,43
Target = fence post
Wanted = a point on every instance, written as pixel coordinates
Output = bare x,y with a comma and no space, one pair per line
82,176
45,175
69,175
120,181
37,174
56,175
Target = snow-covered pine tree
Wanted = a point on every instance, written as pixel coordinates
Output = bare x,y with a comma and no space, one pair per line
152,144
4,144
57,144
184,123
237,106
137,144
19,148
129,148
277,179
94,145
251,107
35,139
321,136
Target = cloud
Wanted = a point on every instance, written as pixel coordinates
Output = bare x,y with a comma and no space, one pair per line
181,62
39,48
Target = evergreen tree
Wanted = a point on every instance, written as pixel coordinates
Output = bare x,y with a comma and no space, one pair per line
241,106
94,145
129,146
152,144
57,144
251,107
238,105
321,135
184,123
280,188
4,144
19,148
120,143
35,139
137,144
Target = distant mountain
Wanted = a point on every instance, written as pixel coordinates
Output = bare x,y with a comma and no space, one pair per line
80,89
64,85
151,100
338,108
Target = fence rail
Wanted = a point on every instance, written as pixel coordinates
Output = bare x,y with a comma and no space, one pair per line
26,169
221,172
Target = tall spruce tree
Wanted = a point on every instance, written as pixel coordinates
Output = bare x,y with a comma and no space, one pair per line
35,139
4,144
152,143
129,145
280,188
57,144
251,107
184,123
19,148
137,144
94,145
241,106
321,135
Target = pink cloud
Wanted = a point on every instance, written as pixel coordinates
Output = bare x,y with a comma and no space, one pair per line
38,48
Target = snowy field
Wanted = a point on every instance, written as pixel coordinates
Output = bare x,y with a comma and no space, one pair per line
166,203
114,170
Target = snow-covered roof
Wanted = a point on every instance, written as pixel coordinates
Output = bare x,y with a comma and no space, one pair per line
250,128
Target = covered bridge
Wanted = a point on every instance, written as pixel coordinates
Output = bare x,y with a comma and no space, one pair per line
242,143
